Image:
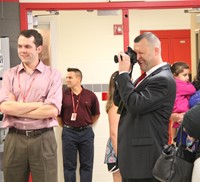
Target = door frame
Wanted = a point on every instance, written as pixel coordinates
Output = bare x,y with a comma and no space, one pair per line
124,6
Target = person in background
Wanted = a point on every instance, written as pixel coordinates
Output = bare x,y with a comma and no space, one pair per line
196,81
184,89
113,118
147,106
191,123
195,98
31,97
80,109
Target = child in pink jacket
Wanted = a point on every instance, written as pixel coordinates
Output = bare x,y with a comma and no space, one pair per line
184,89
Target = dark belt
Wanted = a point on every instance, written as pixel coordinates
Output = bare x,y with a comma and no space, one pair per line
29,133
77,128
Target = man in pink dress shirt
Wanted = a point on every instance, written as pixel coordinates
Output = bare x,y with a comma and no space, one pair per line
31,96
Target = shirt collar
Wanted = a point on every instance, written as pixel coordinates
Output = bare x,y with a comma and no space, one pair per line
40,67
155,68
68,90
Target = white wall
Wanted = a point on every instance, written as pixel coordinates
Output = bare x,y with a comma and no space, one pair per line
85,40
88,42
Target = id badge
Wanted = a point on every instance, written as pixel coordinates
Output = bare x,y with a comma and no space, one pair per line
73,117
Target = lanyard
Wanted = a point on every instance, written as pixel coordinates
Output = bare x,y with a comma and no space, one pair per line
75,108
26,92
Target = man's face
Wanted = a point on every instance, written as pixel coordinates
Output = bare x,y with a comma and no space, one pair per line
145,55
27,50
72,80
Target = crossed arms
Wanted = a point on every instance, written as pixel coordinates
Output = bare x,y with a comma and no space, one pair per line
34,110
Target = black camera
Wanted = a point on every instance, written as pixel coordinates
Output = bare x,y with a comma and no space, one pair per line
131,53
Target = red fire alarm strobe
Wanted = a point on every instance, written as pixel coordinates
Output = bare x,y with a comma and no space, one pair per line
118,29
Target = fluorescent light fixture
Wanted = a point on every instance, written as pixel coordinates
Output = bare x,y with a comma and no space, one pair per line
108,12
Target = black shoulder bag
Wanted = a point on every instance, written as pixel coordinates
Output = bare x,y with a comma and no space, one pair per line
175,163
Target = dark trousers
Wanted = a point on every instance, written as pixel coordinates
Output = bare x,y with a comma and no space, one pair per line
81,142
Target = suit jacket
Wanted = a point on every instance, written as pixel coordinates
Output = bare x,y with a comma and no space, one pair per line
144,120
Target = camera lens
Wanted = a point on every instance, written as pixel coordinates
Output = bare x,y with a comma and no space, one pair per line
116,59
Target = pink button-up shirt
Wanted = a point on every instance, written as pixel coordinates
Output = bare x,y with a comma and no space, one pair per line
43,85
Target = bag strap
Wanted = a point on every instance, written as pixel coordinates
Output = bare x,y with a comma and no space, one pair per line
181,137
180,130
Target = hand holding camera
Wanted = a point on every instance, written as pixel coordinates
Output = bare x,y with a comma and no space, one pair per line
131,53
126,62
133,59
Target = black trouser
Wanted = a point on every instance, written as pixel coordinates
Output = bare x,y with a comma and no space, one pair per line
74,141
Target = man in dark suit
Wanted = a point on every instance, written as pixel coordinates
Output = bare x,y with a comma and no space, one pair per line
146,109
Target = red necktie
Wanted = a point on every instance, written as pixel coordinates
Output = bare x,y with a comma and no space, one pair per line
140,78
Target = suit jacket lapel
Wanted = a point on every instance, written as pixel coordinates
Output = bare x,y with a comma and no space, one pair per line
165,67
